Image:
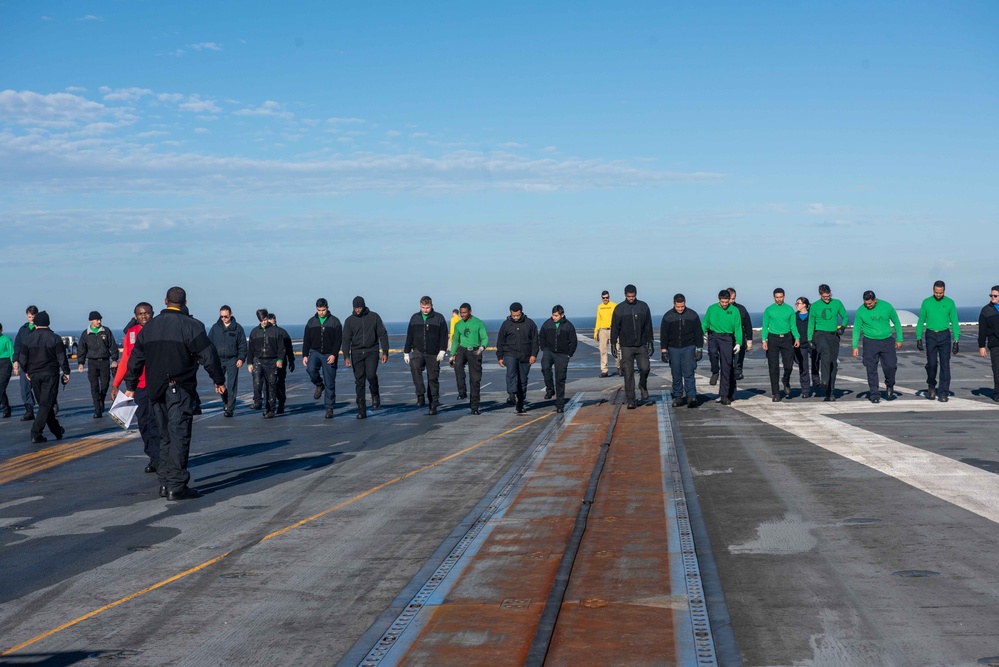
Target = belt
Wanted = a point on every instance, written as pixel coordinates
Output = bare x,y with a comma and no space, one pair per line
716,333
778,335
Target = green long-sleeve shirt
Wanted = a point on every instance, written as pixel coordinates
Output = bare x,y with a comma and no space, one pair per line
723,321
938,316
469,333
6,348
876,323
824,316
779,320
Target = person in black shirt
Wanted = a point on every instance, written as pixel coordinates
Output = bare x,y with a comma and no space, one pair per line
681,341
43,358
516,350
281,387
426,344
363,330
558,341
320,353
229,339
631,338
264,356
747,335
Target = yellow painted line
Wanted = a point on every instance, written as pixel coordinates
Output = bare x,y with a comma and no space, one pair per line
297,524
29,464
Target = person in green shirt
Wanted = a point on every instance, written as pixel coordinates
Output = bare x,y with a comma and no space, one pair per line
780,338
722,324
938,314
6,368
827,320
467,345
874,322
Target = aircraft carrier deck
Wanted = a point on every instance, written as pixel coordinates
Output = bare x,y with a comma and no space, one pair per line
792,533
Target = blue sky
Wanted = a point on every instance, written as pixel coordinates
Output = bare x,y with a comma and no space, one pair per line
263,155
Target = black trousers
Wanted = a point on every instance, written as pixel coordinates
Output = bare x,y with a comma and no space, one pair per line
148,428
174,416
739,358
826,345
281,386
720,346
6,368
418,362
559,363
465,357
994,354
231,382
938,346
365,366
780,349
27,393
46,389
265,381
517,374
804,356
629,357
883,352
99,374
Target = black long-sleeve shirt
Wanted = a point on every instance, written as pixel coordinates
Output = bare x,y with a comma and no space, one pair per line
680,329
43,353
631,324
364,332
560,339
427,336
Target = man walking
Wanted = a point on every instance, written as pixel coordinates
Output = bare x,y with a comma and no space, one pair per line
426,344
6,369
281,385
827,320
363,330
780,340
938,314
265,354
803,354
558,341
516,350
988,336
467,345
681,342
631,329
747,333
43,359
97,348
723,326
320,351
169,350
874,324
601,330
148,429
27,395
229,339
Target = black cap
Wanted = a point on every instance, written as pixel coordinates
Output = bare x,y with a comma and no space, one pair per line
630,289
42,319
868,296
515,307
94,315
358,302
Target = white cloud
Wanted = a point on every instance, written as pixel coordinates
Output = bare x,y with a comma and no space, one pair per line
124,94
53,110
205,46
512,144
420,135
200,130
269,108
46,18
152,134
198,105
345,121
392,134
75,89
96,129
90,17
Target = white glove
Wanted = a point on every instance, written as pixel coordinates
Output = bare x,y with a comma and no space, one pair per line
479,350
405,357
736,349
440,356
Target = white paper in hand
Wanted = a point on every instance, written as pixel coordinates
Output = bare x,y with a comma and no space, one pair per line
123,410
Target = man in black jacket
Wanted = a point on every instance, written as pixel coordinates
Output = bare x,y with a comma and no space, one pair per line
363,330
170,348
281,385
558,341
516,349
99,350
42,357
426,343
27,395
747,334
631,338
229,339
988,336
320,352
265,354
681,341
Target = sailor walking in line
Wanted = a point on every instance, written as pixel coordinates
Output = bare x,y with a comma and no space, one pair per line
99,351
827,320
363,330
873,322
425,347
722,324
467,345
780,340
558,342
938,316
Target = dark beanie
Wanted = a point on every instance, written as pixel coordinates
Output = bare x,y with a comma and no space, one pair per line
359,302
94,315
515,307
42,319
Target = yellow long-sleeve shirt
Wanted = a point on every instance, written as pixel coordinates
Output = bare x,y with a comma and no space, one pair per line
604,313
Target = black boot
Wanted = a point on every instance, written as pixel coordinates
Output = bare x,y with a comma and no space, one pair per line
362,410
29,414
421,400
376,401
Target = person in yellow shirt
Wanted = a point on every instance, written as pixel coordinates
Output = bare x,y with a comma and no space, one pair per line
601,330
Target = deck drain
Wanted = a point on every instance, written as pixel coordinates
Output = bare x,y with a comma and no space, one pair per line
144,547
254,507
861,520
515,603
123,654
916,573
137,493
237,575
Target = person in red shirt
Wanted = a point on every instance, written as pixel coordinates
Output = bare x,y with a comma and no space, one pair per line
143,412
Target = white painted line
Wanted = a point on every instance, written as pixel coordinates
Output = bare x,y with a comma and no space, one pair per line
958,483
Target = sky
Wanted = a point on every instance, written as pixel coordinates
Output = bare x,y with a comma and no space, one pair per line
264,154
